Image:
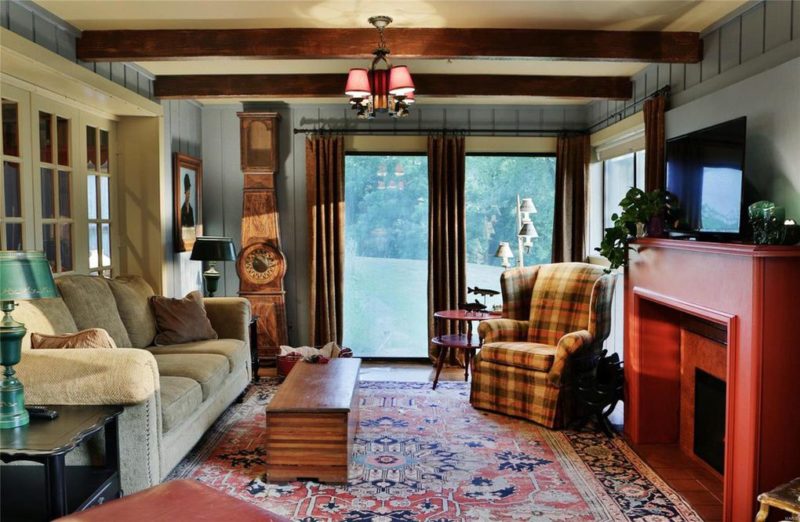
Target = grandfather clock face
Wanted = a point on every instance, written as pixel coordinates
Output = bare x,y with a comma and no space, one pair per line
261,263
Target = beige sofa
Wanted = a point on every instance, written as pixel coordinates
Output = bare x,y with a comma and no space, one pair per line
171,394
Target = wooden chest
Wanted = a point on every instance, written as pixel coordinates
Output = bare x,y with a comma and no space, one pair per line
311,423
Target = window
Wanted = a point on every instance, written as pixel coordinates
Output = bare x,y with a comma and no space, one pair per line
620,174
386,267
55,188
11,203
98,197
492,185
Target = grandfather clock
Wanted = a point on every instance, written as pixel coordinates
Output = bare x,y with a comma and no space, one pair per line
261,265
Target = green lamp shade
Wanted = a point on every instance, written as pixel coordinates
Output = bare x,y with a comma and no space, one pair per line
25,275
212,248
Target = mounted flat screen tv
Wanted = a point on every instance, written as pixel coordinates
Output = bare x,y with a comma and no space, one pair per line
705,170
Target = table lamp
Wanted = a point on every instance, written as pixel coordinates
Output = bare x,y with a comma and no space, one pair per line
213,249
23,275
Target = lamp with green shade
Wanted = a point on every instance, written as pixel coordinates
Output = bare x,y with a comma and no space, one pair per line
23,275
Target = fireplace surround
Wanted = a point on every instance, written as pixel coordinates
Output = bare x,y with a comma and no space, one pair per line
748,291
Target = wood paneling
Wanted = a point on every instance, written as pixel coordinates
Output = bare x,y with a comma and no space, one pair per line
322,85
316,43
311,423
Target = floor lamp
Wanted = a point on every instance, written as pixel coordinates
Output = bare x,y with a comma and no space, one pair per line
525,235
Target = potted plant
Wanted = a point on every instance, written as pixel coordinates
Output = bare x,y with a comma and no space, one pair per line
642,213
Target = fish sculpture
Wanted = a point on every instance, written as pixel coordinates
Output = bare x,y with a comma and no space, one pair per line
482,291
473,307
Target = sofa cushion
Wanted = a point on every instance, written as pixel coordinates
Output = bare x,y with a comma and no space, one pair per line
91,338
44,316
533,356
180,396
233,349
181,320
209,370
92,305
131,294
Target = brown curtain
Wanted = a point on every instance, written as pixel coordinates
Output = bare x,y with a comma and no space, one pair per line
447,249
325,192
569,220
654,143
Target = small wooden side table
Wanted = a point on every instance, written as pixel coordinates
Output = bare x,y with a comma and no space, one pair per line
463,340
785,497
36,492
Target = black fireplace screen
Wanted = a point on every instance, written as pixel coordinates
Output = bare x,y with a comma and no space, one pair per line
709,419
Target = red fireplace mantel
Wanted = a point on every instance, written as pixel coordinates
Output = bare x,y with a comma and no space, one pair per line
755,292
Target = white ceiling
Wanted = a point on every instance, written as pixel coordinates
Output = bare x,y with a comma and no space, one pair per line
630,15
659,15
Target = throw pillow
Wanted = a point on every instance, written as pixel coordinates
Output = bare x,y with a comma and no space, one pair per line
181,320
89,338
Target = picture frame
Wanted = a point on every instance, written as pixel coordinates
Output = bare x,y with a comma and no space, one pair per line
187,184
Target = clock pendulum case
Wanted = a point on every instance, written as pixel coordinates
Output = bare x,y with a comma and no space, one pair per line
261,265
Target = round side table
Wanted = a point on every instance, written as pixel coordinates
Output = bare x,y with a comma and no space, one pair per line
466,341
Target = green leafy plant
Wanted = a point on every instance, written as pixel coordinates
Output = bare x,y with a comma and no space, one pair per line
640,212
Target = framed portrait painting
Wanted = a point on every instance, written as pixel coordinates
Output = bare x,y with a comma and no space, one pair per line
187,183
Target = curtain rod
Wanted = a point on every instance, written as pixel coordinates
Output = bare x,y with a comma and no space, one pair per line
664,91
427,131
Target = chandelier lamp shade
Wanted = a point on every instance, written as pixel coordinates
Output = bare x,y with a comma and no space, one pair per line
383,87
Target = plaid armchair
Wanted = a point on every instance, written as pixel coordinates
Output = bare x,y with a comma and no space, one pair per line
551,313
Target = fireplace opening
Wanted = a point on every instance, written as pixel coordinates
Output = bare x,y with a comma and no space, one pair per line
709,419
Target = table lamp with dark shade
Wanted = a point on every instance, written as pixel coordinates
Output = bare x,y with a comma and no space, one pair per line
23,275
213,249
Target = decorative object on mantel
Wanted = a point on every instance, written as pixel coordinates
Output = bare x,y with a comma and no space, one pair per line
527,233
643,214
187,186
261,265
213,249
23,275
376,90
770,226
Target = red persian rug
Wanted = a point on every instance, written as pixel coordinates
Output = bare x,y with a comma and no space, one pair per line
428,455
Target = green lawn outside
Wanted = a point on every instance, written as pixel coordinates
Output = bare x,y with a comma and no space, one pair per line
386,306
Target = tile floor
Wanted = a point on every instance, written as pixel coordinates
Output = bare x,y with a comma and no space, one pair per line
701,488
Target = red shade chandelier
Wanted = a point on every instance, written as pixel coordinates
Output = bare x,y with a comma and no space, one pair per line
389,89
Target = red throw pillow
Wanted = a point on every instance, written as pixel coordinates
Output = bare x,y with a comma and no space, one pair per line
90,338
181,320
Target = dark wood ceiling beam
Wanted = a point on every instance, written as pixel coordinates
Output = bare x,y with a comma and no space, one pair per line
326,85
176,44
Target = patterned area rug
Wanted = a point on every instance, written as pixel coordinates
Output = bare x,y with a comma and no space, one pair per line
428,455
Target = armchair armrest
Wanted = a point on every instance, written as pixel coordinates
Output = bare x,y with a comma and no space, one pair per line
567,345
229,316
84,376
510,330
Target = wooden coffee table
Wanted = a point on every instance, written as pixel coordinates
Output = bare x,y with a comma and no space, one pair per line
311,423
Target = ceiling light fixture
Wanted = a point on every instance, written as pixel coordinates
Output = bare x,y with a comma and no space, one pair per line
374,90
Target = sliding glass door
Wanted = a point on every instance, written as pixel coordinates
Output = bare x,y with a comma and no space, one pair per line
491,188
386,267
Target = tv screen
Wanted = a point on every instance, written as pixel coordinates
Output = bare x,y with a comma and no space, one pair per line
705,171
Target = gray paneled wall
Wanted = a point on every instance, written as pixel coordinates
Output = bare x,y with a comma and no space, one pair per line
222,201
182,133
763,36
46,29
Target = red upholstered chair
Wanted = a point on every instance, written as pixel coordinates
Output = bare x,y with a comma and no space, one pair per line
174,501
551,315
